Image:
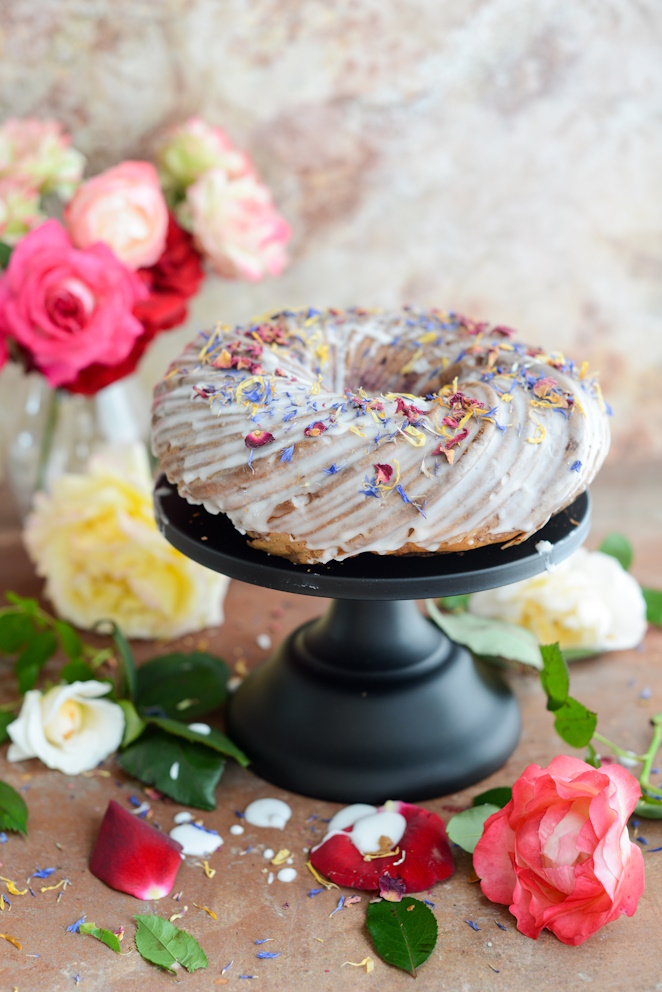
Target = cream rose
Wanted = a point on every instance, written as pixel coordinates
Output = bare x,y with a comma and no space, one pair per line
95,540
191,149
236,225
68,727
587,601
124,208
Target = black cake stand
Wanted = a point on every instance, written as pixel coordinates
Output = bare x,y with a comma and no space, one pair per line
371,701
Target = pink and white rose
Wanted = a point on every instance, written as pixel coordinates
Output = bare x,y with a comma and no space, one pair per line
192,149
559,854
235,223
124,208
40,152
68,308
19,209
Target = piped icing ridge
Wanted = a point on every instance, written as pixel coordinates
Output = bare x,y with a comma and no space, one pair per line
323,434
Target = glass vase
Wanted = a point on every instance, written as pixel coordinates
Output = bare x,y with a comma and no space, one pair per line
57,432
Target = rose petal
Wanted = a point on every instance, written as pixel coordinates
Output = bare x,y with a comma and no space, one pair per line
133,857
427,855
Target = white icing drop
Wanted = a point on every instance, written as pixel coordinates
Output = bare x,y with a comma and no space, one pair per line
270,878
268,813
367,831
263,641
200,728
236,829
348,816
183,817
268,853
196,840
174,771
287,874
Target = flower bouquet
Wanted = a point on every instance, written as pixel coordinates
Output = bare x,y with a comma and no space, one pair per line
94,269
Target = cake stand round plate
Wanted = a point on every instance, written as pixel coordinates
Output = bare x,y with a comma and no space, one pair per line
371,701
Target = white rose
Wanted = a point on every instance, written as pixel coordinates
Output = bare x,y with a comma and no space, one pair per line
588,601
67,728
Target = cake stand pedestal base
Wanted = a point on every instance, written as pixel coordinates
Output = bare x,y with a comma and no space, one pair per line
372,702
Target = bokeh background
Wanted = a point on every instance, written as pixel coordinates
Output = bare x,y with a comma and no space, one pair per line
498,157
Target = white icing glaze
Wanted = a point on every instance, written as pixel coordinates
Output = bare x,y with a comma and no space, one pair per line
268,853
287,875
236,829
268,813
196,840
525,455
368,830
348,816
183,817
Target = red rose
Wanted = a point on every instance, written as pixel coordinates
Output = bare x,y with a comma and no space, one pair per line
171,281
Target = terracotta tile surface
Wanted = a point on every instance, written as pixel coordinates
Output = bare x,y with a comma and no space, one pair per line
65,814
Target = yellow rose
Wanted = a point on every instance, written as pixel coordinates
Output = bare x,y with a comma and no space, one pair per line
95,541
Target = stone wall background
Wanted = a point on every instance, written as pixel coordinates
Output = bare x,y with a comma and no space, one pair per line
498,157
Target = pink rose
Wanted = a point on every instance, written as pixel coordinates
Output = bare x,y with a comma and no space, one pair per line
191,149
67,308
236,225
19,209
124,208
41,153
559,853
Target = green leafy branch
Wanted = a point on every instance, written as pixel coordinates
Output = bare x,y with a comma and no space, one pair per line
576,725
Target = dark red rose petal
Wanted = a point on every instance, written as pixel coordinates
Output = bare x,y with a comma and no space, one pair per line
132,856
428,857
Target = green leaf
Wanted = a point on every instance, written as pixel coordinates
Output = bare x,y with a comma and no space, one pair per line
13,811
107,937
214,739
619,548
554,677
183,686
465,829
127,676
500,796
156,754
69,639
5,720
574,723
133,724
404,933
162,943
5,254
16,629
32,659
455,603
28,605
592,757
488,637
653,599
649,809
78,671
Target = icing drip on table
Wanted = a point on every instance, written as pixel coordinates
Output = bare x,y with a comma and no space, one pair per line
325,434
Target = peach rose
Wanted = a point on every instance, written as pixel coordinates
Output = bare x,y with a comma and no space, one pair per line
236,224
67,308
124,208
559,854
